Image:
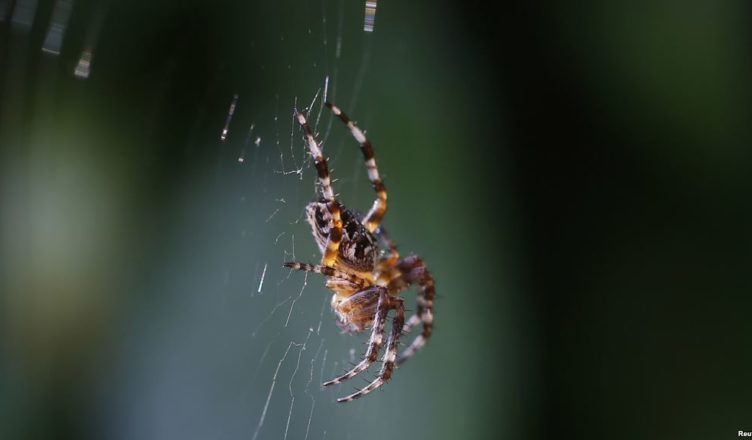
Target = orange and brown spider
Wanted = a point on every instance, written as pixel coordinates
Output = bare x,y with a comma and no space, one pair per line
365,283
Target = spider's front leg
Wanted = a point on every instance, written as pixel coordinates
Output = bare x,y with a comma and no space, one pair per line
322,169
372,219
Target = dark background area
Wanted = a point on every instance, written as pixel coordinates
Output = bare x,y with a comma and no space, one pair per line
581,174
631,145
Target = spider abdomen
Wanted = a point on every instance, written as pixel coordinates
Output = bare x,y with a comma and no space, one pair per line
355,313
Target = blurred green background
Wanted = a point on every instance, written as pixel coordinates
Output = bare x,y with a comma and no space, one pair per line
575,176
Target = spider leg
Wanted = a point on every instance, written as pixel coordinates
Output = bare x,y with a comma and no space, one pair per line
377,334
373,218
389,357
415,272
326,271
335,235
390,260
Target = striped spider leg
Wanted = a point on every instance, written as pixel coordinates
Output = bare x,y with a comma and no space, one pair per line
413,271
401,274
334,232
373,218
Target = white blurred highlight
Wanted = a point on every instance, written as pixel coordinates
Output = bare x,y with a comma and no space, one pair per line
83,68
370,17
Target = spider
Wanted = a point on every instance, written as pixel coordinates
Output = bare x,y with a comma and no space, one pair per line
365,281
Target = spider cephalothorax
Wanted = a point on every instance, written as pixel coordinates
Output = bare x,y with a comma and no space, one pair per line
365,285
357,248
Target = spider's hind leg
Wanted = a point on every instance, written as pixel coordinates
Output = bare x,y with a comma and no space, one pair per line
387,367
373,218
415,272
357,310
